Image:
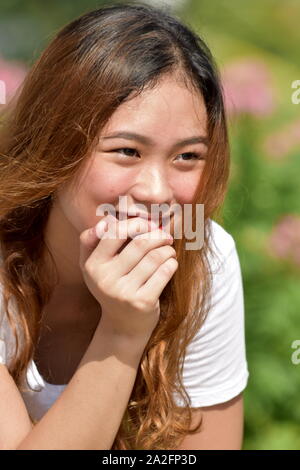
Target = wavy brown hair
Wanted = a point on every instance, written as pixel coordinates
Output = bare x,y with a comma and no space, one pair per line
49,130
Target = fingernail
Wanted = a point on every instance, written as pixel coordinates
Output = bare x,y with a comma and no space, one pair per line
100,228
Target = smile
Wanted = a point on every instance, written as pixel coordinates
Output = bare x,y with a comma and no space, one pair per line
161,219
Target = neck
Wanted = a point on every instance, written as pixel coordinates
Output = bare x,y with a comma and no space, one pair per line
71,303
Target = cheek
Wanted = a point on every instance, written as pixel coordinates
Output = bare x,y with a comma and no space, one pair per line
186,187
107,184
78,202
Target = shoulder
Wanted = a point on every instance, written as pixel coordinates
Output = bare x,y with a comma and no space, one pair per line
222,244
215,365
226,307
226,274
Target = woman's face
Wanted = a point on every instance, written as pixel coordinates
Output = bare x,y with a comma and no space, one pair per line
153,170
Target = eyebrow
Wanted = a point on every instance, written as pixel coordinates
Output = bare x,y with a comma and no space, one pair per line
148,141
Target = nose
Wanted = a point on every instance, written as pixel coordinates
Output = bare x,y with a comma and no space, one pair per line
152,186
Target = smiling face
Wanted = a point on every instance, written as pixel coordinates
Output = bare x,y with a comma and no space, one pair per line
155,169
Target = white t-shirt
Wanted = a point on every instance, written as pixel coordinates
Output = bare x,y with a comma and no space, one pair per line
215,366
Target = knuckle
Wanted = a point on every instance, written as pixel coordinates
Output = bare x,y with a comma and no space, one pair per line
167,251
143,305
156,256
170,250
121,232
87,267
123,294
140,223
136,225
141,243
104,283
82,237
170,265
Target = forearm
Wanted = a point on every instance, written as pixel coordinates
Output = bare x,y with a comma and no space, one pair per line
15,422
88,413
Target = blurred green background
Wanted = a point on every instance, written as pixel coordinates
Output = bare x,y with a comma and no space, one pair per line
256,46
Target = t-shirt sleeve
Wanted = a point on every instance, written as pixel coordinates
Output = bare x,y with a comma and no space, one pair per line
215,368
2,352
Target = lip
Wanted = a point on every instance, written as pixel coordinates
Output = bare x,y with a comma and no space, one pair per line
143,216
146,217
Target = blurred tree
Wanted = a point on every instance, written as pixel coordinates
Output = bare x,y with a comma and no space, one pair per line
27,27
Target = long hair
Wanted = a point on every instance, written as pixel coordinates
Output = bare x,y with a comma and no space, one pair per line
49,130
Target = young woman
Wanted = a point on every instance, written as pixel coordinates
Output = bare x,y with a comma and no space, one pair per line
107,344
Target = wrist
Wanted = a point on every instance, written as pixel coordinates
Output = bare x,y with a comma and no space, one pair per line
119,341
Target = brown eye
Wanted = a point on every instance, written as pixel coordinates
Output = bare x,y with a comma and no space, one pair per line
194,155
125,148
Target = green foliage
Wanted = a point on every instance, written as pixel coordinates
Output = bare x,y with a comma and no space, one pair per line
27,27
262,189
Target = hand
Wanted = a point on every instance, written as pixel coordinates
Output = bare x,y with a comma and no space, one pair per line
127,283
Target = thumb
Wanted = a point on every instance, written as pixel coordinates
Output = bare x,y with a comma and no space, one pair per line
89,239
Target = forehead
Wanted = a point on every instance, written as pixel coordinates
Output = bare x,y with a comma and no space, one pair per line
168,108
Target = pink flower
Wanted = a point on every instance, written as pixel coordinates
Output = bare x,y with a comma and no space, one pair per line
248,88
12,73
278,144
284,240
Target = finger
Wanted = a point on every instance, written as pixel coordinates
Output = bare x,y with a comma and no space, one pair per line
158,281
147,266
89,239
132,254
117,233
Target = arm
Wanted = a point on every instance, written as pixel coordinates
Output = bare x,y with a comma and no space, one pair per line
88,413
222,427
15,423
215,368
